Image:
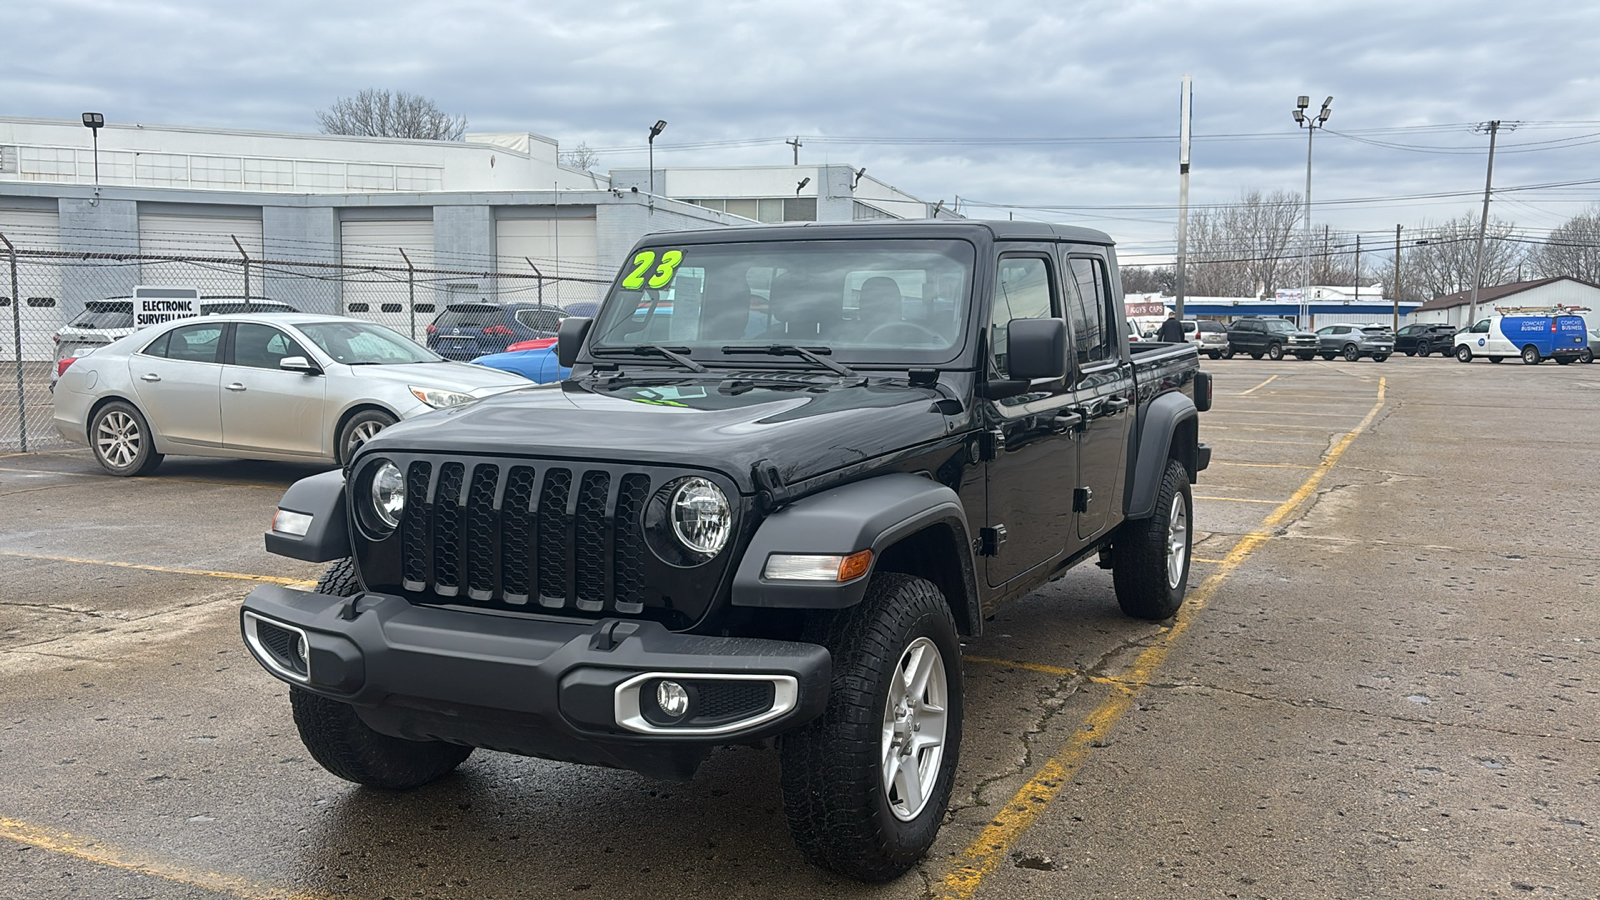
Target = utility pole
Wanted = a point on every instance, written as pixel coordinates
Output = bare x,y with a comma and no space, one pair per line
796,145
1184,101
1310,122
1483,223
1397,278
1358,268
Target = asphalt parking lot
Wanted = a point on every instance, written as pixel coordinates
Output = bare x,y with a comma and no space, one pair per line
1386,684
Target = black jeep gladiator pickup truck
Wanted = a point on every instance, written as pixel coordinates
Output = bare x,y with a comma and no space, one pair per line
792,469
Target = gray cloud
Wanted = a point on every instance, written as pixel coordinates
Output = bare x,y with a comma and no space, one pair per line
600,72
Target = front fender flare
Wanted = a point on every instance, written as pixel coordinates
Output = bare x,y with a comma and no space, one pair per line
322,498
863,515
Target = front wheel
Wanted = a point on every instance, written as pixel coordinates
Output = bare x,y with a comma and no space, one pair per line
121,440
866,785
1215,354
1255,355
1587,356
344,745
1530,356
1274,351
1380,357
1306,356
1495,359
1463,353
1150,557
1329,356
1228,353
362,427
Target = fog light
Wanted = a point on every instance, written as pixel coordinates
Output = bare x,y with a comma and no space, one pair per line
305,651
672,698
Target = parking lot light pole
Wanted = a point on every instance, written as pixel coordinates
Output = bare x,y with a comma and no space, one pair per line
94,122
657,128
1310,123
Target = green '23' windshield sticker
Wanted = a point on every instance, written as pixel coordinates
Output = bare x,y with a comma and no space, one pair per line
661,277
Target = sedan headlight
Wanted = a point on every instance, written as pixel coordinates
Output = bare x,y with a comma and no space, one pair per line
388,494
701,517
439,398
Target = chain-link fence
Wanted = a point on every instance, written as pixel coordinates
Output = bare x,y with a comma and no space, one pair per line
43,292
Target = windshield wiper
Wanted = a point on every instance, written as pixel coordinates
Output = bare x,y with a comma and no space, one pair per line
676,354
808,354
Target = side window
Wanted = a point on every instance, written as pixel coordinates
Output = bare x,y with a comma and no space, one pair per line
158,347
1091,339
196,343
1482,327
262,346
1024,290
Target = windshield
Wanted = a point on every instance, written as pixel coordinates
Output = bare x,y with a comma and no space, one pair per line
1279,325
105,314
889,301
364,344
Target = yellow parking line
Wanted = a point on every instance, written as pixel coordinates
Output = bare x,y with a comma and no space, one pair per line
1238,500
104,854
1199,560
1255,441
1262,465
985,853
1258,387
172,570
1031,667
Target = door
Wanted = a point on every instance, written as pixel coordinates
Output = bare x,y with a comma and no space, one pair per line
177,379
266,409
1032,450
1103,396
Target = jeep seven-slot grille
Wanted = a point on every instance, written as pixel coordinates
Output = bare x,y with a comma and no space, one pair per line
556,537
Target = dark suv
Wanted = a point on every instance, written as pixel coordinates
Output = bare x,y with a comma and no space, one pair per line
1271,338
1421,340
466,331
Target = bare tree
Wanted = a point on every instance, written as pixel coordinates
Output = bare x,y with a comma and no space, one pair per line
1444,265
1573,249
375,113
1149,279
1242,250
580,157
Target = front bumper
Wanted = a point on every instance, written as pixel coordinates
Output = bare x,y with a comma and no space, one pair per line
573,691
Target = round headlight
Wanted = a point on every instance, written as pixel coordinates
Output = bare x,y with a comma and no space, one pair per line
388,494
701,517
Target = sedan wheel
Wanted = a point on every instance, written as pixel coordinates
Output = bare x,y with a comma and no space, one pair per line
121,440
362,427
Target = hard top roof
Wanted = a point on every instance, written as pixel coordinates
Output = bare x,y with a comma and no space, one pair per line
974,229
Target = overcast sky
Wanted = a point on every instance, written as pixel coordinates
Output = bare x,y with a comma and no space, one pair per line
1061,111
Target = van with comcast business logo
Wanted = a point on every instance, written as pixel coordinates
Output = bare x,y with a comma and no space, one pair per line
1533,333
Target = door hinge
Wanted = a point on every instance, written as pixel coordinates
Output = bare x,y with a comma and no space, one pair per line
990,540
992,443
1080,499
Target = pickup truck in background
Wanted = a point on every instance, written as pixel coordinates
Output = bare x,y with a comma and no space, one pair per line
792,469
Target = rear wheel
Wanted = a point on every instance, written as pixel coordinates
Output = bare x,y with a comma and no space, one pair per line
1380,357
121,440
345,746
1274,351
865,787
1563,360
1306,356
1329,355
1496,359
1255,355
1530,356
1228,353
1351,354
1463,353
1423,349
1150,558
1587,356
1215,354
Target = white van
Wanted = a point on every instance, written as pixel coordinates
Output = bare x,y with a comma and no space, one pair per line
1534,334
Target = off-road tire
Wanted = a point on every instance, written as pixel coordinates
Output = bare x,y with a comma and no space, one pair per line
358,429
1274,352
833,793
120,438
1463,353
1141,566
344,745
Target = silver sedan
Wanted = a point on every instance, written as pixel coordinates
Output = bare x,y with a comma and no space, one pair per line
283,386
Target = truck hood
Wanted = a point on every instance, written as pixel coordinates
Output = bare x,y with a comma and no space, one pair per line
802,425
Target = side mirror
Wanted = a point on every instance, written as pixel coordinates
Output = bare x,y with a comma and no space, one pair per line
299,364
569,339
1036,348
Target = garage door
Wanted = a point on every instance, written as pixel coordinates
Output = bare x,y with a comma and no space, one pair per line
568,251
380,295
209,237
38,313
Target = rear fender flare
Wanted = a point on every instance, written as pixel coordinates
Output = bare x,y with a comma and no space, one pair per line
1169,414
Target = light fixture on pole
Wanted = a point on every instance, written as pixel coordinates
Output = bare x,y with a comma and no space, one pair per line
94,122
1310,123
860,173
802,185
657,128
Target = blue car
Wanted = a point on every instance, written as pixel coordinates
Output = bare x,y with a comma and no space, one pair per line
537,364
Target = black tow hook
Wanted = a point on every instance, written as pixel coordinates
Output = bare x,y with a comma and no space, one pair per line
611,633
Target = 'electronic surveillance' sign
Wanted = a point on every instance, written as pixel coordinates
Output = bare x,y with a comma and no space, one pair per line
155,305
